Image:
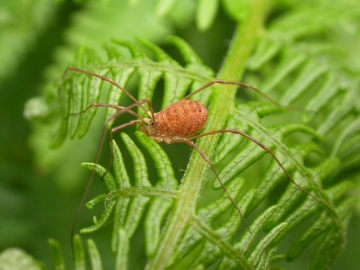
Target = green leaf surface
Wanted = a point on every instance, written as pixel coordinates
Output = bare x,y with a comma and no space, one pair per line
56,255
15,258
283,166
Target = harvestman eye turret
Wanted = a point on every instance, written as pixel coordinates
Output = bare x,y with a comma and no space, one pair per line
178,123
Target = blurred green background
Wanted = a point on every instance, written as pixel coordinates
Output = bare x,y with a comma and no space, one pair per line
39,191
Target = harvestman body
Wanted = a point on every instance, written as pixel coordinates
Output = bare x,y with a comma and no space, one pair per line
179,122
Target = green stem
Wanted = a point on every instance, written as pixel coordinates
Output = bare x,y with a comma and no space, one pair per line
243,42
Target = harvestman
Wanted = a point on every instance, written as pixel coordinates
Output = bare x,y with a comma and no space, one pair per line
177,123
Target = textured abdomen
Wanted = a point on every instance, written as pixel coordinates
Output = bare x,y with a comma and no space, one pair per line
183,118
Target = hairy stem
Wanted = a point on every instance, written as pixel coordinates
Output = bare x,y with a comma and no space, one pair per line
243,42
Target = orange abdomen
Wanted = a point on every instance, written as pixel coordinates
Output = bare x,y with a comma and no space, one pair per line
183,118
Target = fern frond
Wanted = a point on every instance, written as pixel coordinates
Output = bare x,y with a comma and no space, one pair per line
166,208
176,81
311,61
79,254
178,229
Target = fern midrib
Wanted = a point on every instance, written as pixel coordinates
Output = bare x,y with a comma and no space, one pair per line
243,42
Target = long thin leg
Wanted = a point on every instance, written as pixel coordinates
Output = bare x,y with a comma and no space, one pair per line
87,189
269,151
101,77
113,130
128,108
116,107
207,160
247,86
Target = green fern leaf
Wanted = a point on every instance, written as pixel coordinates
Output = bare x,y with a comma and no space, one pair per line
129,201
179,230
79,258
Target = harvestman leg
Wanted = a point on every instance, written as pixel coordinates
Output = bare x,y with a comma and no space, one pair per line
112,131
103,78
170,139
263,146
121,110
207,160
247,86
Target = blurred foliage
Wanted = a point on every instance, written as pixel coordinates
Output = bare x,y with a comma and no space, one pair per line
40,188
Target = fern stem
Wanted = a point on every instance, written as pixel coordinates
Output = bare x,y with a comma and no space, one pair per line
243,42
